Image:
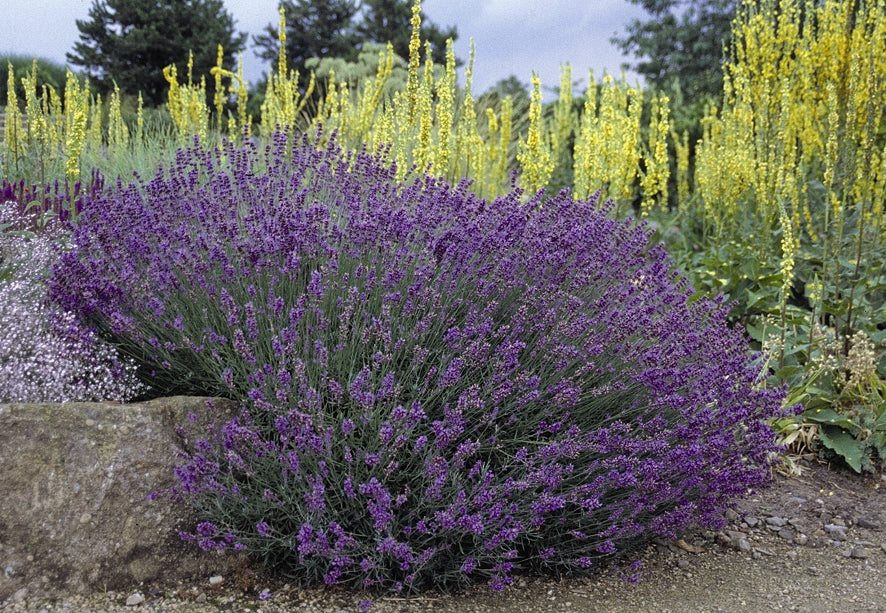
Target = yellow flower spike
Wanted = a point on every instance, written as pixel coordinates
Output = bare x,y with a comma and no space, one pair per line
657,163
534,153
140,121
13,145
282,67
445,88
118,133
95,124
425,151
244,119
681,149
412,83
501,180
586,158
469,144
564,116
219,97
76,111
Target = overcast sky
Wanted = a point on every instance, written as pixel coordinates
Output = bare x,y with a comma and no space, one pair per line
511,37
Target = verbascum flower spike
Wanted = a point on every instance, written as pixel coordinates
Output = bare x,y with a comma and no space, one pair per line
586,158
656,160
445,110
118,133
12,139
534,152
413,81
219,97
469,144
140,121
77,112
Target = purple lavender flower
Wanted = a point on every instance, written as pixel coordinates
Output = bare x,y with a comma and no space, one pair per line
515,383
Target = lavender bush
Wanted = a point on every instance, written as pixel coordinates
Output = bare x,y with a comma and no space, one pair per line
436,389
44,355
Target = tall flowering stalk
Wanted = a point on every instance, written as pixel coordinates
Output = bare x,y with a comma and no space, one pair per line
187,103
535,154
436,389
792,162
608,144
284,102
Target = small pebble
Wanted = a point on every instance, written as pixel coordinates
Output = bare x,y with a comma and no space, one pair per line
837,531
745,547
751,521
786,533
801,539
215,580
859,553
135,599
683,563
20,594
777,522
869,524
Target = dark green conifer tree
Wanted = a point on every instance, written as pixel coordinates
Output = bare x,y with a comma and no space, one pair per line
130,42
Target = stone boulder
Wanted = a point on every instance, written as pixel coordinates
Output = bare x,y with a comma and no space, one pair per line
74,484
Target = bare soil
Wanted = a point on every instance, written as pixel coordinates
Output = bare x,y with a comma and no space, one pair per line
814,542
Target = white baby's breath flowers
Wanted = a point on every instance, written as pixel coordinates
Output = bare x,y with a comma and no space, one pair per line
39,361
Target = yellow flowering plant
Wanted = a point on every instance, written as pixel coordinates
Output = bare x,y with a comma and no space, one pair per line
789,181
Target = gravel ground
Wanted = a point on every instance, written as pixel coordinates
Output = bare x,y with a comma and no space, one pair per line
811,543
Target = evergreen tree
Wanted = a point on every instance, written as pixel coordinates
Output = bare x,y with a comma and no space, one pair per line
130,42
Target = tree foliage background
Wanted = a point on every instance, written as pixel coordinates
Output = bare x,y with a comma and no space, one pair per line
339,28
129,42
683,40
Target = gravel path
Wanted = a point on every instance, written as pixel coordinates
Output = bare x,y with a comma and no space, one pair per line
813,543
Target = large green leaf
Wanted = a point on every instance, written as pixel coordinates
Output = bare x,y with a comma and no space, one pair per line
831,418
843,444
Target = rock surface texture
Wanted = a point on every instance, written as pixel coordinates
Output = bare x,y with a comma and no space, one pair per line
74,483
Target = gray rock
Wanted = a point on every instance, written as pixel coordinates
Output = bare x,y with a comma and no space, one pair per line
215,579
860,553
776,522
135,599
744,546
836,531
74,486
868,523
751,521
787,534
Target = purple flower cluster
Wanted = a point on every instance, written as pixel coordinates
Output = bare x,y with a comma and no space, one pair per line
435,388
